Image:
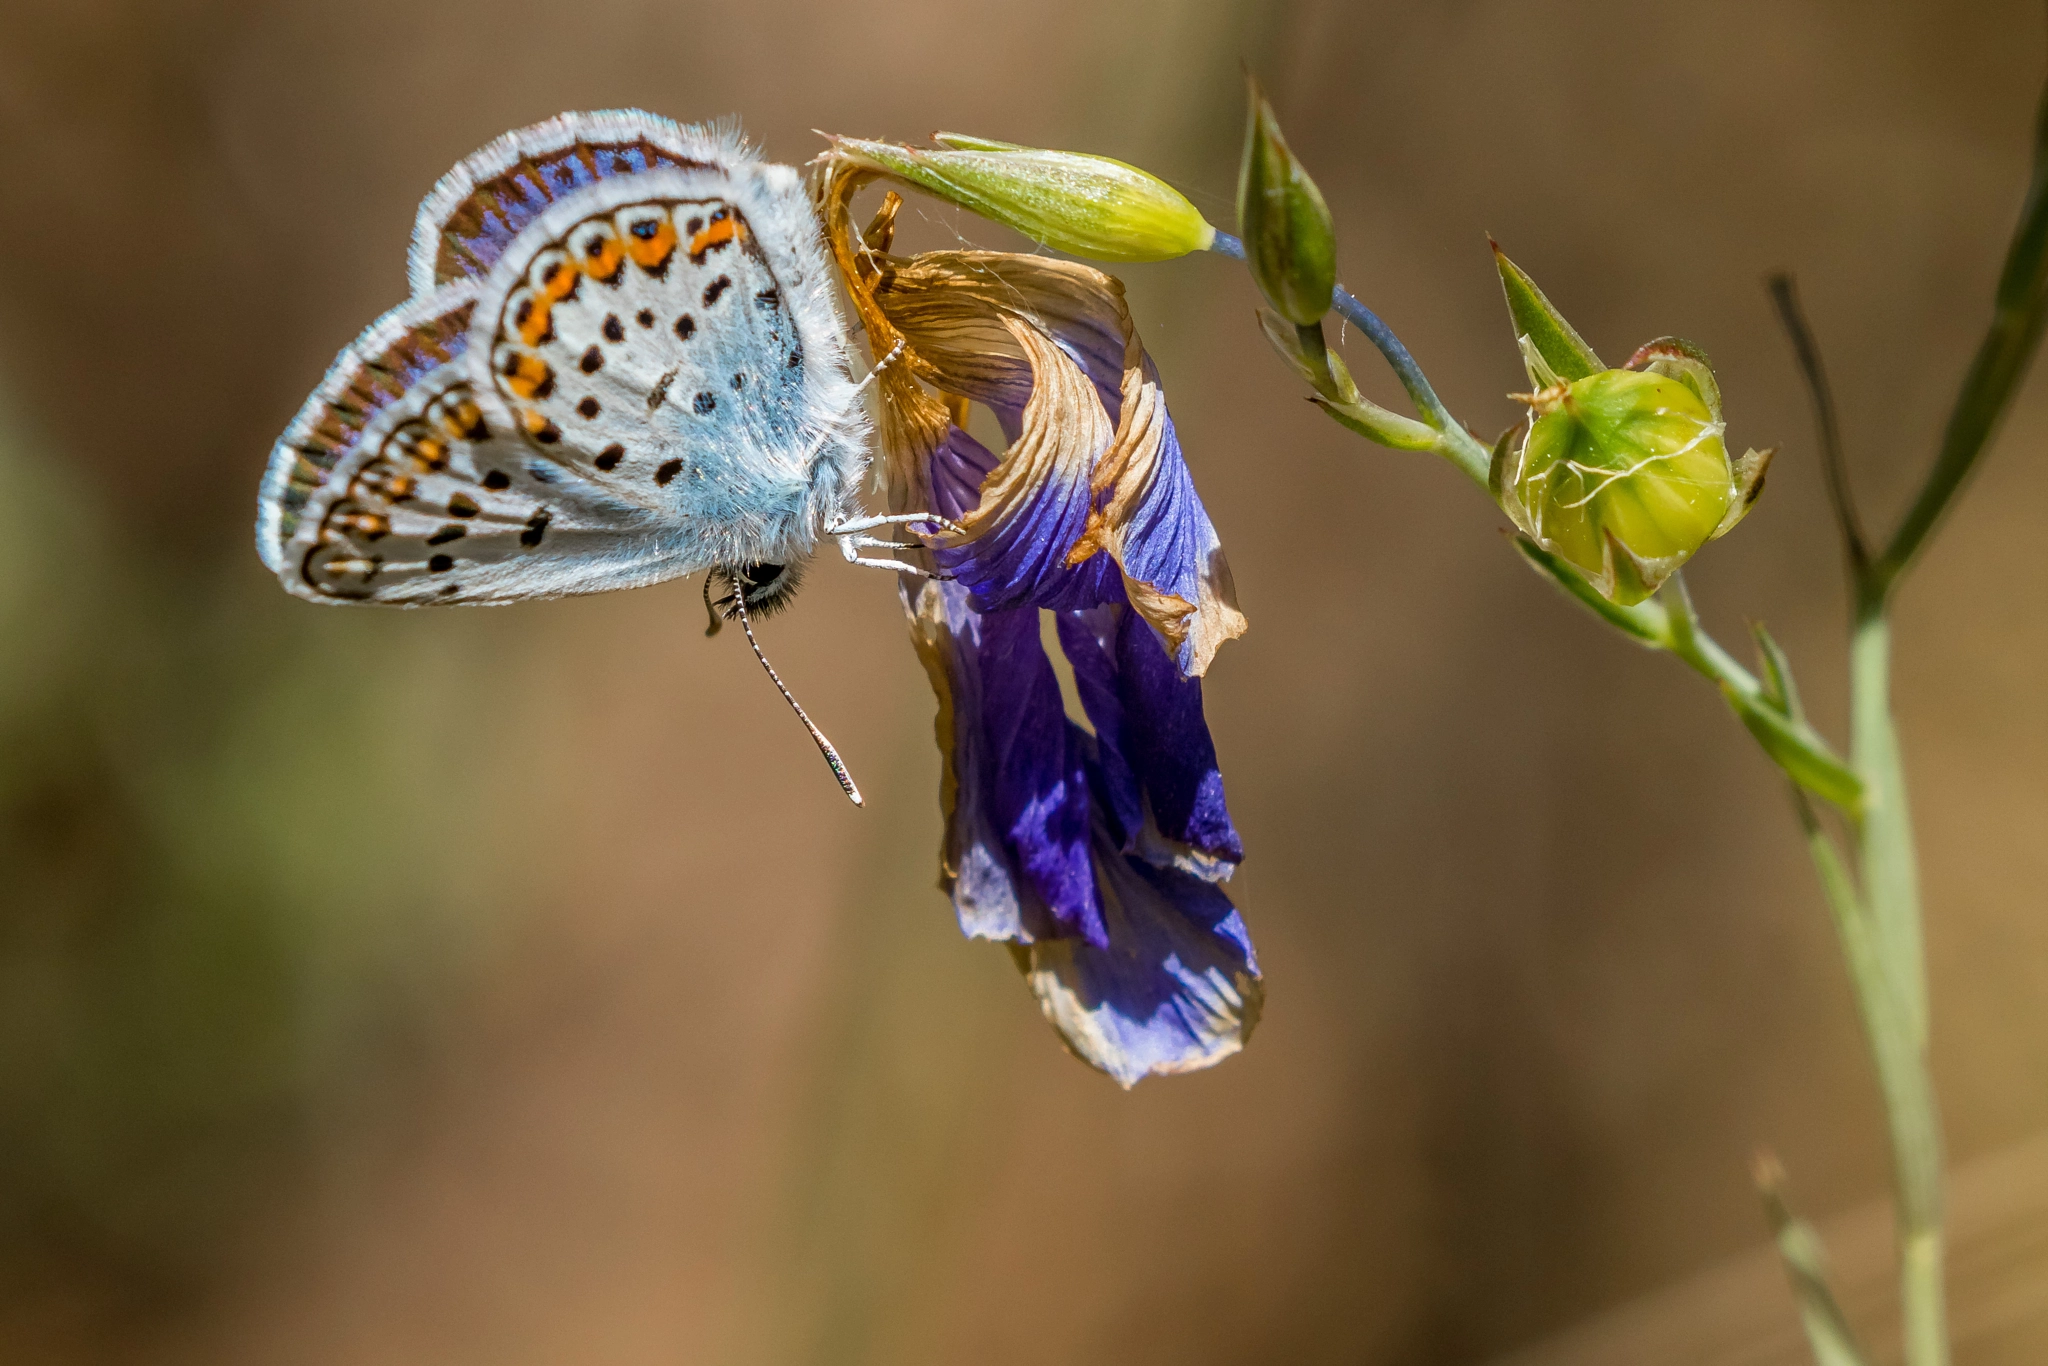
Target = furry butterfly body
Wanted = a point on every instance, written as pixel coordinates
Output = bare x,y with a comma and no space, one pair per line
621,362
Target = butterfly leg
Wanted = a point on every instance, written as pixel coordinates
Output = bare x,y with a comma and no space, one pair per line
856,525
852,539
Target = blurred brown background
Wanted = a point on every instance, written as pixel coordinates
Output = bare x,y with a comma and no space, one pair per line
515,987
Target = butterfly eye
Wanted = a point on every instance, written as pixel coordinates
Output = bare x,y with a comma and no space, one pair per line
769,587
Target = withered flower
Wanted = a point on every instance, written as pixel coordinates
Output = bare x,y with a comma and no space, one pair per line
1094,848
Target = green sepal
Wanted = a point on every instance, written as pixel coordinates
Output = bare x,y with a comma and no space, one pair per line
1676,358
1778,684
1796,748
1336,393
1648,622
1290,243
1560,345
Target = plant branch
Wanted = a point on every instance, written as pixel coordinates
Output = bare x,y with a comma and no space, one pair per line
1463,449
1785,295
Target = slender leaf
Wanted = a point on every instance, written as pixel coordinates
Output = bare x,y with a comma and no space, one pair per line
1375,423
1336,393
1827,1328
1799,750
1777,674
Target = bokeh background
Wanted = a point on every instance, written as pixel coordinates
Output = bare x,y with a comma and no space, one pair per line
514,986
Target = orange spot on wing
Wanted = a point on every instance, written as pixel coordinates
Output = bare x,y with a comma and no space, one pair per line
557,281
651,252
717,234
604,266
430,453
462,419
533,319
368,525
528,376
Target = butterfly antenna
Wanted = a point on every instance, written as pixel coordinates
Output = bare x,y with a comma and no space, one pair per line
739,599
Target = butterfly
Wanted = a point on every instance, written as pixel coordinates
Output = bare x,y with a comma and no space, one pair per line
622,361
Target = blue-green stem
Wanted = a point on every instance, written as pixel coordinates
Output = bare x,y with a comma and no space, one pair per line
1459,446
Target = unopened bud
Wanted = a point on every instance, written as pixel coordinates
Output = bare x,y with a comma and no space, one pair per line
1088,206
1624,474
1289,241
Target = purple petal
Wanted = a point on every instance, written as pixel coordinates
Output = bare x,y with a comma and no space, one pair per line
1176,989
1039,797
1166,544
1055,839
1149,725
1020,561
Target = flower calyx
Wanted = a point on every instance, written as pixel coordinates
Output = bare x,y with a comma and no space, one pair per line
1624,474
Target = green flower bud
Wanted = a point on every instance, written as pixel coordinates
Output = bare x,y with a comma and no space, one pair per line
1088,206
1623,474
1289,241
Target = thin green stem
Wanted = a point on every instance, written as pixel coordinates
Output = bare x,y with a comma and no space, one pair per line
1893,995
1784,735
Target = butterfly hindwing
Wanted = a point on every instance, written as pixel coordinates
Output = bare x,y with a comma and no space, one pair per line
423,496
371,373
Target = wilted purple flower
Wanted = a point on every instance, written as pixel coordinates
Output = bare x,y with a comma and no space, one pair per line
1096,849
